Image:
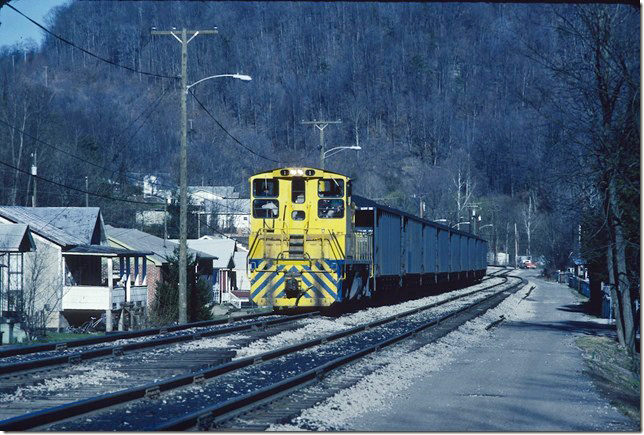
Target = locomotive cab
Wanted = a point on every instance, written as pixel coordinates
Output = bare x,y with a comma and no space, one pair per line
300,227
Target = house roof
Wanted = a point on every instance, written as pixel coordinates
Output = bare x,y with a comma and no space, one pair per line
16,238
221,191
106,251
138,240
224,249
65,226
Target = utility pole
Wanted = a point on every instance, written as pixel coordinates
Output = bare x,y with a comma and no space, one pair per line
321,125
516,246
183,172
34,173
86,191
165,221
46,81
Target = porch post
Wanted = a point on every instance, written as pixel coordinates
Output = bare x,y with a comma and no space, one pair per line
127,282
108,313
136,270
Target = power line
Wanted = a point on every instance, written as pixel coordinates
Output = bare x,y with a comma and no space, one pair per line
132,201
89,52
89,162
228,133
107,169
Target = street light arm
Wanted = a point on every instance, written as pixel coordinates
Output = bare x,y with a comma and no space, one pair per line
243,77
353,147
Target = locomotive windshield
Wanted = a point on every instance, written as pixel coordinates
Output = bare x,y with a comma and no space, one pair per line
331,188
265,188
298,190
265,208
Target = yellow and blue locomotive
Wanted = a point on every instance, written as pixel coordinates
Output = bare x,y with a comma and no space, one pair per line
314,244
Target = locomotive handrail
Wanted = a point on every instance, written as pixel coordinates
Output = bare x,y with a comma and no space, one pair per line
335,238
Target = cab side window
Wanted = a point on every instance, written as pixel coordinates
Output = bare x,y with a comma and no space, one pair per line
330,208
331,188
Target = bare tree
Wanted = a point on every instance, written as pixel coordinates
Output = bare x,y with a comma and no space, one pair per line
42,291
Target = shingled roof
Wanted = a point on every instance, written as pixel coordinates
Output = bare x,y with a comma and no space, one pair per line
65,226
16,238
134,239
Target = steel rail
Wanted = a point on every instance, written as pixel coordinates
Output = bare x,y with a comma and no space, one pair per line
77,357
208,414
65,411
60,345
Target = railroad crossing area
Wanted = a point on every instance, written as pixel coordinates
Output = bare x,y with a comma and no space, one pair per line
526,375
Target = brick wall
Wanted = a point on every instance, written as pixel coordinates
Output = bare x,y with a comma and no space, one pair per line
154,276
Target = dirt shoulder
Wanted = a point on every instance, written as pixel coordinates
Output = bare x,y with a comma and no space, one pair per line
615,374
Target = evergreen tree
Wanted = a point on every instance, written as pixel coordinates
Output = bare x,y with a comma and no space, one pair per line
165,307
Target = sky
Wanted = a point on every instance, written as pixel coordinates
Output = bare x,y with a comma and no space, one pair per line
15,29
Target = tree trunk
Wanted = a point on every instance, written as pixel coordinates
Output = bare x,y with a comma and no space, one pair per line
623,284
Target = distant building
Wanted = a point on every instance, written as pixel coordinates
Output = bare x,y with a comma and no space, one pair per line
232,284
218,208
222,207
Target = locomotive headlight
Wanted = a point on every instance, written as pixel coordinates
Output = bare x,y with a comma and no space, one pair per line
297,172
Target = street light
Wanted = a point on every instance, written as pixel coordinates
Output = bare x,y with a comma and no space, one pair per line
458,225
336,150
242,77
183,184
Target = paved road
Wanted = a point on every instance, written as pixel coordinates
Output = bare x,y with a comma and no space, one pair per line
528,379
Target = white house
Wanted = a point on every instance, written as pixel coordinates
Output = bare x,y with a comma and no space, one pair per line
71,270
223,203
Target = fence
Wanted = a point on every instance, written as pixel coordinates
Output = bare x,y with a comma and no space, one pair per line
581,285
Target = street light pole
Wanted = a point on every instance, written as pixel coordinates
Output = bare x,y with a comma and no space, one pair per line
183,168
183,186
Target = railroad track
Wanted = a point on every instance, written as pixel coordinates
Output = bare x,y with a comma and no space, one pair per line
11,353
105,369
222,392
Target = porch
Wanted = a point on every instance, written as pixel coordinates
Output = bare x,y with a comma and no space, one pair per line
94,282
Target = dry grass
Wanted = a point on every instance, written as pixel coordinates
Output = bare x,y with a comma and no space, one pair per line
615,373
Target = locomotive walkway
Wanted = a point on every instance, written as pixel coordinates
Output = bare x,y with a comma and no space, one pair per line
529,377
